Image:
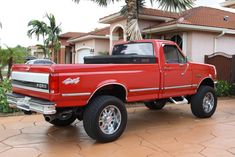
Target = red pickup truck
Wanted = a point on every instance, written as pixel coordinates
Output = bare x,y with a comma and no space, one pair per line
149,71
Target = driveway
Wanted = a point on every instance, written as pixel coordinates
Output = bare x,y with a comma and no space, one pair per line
173,131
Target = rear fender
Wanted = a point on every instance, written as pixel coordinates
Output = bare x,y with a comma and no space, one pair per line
107,83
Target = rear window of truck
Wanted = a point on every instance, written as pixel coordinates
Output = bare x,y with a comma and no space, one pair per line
133,49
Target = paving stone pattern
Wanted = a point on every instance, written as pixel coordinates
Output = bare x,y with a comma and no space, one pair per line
171,132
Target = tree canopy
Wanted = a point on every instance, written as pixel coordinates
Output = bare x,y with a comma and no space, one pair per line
132,8
9,56
49,31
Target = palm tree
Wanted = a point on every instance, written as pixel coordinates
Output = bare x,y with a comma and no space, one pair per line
10,60
53,32
9,56
49,32
133,7
38,28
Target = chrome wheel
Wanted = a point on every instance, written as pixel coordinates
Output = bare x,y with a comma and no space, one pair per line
208,102
110,119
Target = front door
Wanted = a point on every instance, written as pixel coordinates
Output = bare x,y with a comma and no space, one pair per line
177,73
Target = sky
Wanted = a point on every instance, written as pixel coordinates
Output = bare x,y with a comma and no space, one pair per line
73,17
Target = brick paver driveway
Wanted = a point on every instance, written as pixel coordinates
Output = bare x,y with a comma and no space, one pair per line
172,131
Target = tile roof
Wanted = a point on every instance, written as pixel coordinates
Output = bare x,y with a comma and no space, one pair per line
97,32
71,34
156,12
102,31
204,16
151,12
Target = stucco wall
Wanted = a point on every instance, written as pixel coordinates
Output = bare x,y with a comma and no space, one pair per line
146,23
85,44
188,51
97,44
203,43
226,44
101,45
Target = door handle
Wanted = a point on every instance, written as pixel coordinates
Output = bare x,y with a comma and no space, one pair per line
181,65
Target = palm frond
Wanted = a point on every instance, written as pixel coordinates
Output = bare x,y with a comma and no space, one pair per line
103,3
175,5
133,30
37,27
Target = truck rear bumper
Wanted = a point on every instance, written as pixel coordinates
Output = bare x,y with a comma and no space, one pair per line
30,103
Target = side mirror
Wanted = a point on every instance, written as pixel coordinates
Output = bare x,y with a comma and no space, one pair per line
184,60
188,59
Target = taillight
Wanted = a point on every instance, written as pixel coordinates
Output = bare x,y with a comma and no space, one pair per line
54,83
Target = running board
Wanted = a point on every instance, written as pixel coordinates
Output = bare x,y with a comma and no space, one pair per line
184,101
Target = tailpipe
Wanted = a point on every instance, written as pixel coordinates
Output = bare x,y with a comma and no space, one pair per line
49,118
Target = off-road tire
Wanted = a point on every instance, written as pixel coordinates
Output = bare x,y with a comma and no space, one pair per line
91,118
156,105
200,98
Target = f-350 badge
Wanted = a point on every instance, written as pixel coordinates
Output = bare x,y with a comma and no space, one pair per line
71,81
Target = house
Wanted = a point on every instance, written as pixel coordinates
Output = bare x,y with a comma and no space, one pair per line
36,52
66,55
199,31
90,44
228,4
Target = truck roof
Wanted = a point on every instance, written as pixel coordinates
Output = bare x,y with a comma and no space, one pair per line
147,40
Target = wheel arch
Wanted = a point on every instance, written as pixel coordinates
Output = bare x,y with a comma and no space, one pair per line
114,89
207,82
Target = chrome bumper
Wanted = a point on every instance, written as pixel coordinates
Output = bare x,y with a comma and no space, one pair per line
30,104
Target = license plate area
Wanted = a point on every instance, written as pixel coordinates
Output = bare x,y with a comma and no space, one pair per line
23,103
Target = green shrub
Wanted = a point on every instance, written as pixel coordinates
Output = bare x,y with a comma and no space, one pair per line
223,88
233,89
5,86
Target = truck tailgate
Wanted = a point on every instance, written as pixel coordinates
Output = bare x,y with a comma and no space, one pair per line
31,80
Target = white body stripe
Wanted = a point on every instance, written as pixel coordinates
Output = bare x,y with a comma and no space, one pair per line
76,94
175,87
30,77
143,89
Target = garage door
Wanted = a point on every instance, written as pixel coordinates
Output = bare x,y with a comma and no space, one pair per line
81,54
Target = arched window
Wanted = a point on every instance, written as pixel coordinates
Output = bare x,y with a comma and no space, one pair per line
118,34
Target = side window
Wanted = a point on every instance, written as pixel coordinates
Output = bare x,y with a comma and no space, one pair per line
173,55
37,62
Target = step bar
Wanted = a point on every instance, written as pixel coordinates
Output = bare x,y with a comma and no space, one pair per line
184,101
